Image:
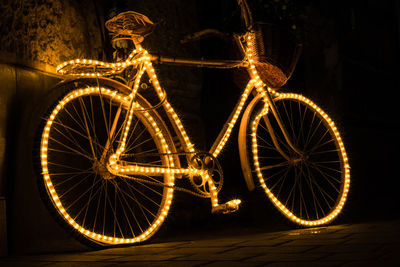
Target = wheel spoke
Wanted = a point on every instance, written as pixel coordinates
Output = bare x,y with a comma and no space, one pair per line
274,166
71,138
83,194
87,204
123,205
326,177
71,130
71,149
83,108
309,135
138,202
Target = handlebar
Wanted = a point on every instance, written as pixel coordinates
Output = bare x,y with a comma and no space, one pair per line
246,14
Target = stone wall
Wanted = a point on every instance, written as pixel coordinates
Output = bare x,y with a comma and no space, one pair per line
50,31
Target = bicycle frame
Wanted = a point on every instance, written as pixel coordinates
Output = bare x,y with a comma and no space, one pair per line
108,197
255,86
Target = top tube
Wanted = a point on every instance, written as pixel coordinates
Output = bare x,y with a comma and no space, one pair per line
135,26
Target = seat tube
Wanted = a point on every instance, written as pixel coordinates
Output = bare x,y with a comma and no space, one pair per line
110,137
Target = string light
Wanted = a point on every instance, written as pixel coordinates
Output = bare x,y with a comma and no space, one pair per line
260,89
113,165
96,68
140,58
218,148
53,193
329,217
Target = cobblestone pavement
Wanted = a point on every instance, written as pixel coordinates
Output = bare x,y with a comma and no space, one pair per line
367,244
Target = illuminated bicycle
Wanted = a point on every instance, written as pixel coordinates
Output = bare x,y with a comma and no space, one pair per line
111,158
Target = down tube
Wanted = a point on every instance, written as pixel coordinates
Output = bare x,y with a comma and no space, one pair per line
172,116
225,133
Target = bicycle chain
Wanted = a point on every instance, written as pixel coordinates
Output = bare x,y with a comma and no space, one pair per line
199,193
164,185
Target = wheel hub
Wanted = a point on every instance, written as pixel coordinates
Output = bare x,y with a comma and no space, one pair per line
302,158
101,169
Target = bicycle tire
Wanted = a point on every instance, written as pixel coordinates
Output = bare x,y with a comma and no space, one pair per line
310,189
96,206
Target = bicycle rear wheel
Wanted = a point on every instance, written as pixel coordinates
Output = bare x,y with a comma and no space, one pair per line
96,205
309,189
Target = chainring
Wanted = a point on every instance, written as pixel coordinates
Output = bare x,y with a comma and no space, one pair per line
206,162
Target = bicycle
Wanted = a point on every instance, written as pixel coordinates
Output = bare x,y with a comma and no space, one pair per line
110,159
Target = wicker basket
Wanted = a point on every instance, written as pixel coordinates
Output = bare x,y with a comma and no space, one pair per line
276,53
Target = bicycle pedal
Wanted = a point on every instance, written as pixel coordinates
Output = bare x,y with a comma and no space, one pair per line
228,207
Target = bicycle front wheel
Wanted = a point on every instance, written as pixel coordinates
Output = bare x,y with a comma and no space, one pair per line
309,188
81,132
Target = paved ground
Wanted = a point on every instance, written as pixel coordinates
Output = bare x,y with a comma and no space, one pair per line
368,244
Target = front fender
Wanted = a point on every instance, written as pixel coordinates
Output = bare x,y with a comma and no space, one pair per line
244,150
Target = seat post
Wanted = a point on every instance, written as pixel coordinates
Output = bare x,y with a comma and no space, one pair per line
137,41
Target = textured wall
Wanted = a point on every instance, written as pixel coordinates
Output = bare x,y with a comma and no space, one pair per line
49,31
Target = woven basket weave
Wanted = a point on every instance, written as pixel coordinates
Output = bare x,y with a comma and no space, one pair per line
275,52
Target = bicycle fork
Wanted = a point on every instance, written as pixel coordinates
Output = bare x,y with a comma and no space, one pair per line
272,107
266,95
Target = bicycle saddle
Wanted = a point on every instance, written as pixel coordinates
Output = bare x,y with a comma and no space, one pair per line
129,24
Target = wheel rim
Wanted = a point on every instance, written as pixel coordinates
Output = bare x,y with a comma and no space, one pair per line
310,189
104,208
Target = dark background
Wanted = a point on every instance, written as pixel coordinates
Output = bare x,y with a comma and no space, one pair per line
348,67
